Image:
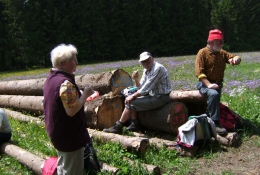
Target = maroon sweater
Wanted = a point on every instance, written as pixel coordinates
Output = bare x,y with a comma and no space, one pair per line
66,133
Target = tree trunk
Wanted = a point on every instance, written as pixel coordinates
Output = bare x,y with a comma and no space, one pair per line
101,113
28,159
104,112
136,143
186,96
150,168
131,143
24,118
34,162
166,118
31,104
103,82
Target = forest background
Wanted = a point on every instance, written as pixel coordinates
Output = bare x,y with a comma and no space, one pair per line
112,30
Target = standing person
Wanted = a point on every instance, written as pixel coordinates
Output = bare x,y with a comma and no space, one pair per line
153,91
210,65
65,118
5,128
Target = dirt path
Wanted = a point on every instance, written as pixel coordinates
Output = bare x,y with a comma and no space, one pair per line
243,160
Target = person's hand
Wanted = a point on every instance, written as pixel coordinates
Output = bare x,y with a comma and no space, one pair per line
129,99
213,86
135,75
236,60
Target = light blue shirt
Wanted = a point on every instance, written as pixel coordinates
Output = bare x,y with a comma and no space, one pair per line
156,81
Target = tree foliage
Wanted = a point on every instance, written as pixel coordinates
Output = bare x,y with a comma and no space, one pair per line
109,30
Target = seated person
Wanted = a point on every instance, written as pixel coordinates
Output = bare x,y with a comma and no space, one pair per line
5,128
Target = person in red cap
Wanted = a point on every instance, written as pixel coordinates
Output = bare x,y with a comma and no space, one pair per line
210,65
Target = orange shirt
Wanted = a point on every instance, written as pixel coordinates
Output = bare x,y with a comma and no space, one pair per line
211,65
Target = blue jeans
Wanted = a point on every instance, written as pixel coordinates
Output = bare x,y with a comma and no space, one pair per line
213,99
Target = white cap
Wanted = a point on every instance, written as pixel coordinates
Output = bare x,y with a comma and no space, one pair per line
144,56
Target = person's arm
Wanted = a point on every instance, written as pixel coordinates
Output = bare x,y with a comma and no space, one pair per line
135,76
70,97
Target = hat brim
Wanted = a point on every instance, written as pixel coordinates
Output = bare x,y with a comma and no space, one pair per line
144,58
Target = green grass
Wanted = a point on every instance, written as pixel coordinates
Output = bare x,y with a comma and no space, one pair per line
245,102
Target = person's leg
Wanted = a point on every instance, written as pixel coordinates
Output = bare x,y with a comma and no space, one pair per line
213,110
5,137
118,126
71,162
144,104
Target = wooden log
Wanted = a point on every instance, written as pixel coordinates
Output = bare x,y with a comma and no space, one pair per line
166,118
31,104
28,159
186,96
170,145
104,112
101,113
150,168
232,139
34,162
103,82
137,144
24,118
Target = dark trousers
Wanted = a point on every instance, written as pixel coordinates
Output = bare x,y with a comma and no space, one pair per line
5,137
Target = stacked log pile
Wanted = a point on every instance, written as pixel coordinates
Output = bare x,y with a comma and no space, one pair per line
103,112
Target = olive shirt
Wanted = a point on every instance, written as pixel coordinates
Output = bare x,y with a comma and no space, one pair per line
211,65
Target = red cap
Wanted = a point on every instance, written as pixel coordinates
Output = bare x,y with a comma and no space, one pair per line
215,34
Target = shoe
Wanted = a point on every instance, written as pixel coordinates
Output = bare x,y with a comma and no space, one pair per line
117,128
220,129
134,127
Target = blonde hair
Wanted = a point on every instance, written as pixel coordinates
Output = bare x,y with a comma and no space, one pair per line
62,53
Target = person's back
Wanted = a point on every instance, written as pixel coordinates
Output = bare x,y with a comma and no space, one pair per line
5,128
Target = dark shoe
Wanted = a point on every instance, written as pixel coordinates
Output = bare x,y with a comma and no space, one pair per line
134,127
220,129
117,128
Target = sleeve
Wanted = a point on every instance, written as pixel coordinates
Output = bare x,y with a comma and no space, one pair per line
69,95
199,65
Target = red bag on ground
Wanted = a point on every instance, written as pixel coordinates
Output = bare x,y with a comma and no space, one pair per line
50,166
229,119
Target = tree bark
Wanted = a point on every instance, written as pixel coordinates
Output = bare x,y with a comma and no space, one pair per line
131,143
166,118
31,104
34,162
103,82
187,96
104,112
101,113
24,118
150,168
28,159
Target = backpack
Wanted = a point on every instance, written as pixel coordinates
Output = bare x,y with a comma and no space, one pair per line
229,119
91,163
197,130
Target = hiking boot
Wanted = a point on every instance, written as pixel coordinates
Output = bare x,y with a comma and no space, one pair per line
134,127
220,129
117,128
